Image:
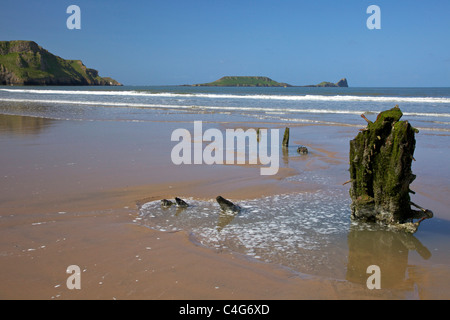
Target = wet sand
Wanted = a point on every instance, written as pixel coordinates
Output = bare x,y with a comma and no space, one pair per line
69,195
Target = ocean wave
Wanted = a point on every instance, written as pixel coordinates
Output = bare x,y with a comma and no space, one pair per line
341,98
220,108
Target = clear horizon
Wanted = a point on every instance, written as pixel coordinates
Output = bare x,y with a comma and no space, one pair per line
142,43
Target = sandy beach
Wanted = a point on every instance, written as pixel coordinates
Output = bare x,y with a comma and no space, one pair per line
143,152
70,193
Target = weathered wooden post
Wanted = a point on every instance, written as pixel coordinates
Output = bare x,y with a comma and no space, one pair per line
380,172
286,138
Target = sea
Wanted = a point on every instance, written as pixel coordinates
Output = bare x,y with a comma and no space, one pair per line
309,233
427,108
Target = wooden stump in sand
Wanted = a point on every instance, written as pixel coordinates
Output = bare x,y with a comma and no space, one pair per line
285,142
380,172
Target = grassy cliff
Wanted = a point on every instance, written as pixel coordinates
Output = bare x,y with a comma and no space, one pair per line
27,63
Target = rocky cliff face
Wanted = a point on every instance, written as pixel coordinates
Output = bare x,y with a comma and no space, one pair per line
27,63
342,83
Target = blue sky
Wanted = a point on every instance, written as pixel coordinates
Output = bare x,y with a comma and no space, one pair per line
170,42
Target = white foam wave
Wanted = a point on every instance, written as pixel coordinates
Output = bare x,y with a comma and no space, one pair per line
342,98
220,108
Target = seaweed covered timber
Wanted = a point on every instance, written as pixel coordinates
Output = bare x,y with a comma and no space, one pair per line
380,172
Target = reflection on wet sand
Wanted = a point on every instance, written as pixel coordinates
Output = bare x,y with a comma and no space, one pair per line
224,220
23,125
386,249
285,155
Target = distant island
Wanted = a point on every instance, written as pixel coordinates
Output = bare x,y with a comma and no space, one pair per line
27,63
250,81
242,81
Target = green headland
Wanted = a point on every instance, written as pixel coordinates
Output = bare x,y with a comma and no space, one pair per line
27,63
